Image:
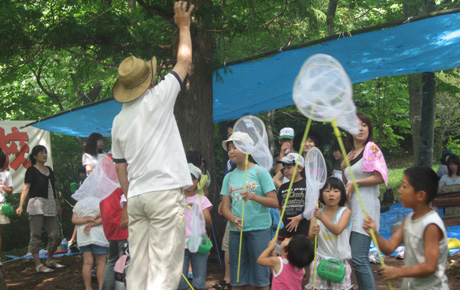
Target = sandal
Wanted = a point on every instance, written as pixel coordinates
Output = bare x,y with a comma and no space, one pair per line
46,270
54,265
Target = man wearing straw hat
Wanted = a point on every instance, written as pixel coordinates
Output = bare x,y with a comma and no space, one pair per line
151,164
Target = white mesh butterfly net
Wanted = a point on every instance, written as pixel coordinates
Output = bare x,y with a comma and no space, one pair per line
101,183
349,120
250,136
315,174
322,89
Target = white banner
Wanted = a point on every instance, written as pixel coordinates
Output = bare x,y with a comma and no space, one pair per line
17,143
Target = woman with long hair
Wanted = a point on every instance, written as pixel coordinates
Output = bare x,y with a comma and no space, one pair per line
93,152
370,170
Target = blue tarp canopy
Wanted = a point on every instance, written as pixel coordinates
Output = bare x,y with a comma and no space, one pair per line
427,45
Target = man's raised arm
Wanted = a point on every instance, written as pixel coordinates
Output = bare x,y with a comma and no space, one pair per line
184,51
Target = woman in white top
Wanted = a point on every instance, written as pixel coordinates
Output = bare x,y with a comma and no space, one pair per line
453,174
93,152
369,168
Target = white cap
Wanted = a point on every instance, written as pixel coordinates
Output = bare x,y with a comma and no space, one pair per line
291,159
286,133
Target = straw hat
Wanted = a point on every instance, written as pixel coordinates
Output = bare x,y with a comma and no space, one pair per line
134,78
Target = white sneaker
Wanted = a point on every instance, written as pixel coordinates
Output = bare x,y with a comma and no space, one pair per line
1,264
400,255
374,258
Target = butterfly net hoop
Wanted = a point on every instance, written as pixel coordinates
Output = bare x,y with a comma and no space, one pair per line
316,174
250,137
322,89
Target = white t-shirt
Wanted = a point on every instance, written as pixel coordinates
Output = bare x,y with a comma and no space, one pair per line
446,180
89,207
145,135
5,179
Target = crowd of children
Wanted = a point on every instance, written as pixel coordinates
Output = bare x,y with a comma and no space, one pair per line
288,262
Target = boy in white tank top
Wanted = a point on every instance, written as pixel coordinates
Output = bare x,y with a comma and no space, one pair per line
422,232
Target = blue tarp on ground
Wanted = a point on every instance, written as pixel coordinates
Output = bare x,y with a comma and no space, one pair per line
41,255
427,45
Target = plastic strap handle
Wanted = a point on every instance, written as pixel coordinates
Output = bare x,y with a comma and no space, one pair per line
242,218
358,193
291,182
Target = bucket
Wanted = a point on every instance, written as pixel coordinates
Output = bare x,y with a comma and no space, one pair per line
205,246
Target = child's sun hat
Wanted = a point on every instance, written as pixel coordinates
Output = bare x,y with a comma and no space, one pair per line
241,137
195,171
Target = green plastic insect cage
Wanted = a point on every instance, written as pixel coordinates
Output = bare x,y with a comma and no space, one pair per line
205,246
7,209
331,269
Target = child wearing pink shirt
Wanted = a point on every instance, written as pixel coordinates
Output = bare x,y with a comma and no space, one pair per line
197,259
288,269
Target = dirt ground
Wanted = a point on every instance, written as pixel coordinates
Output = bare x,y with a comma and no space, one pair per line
21,274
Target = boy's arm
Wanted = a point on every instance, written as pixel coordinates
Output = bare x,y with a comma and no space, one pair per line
386,246
432,236
268,257
184,52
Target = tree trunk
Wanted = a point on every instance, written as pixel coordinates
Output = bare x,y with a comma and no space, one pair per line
418,119
414,82
427,125
271,138
330,15
196,127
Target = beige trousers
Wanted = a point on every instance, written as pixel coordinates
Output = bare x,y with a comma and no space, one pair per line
156,240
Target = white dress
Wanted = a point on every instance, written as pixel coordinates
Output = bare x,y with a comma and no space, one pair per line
370,196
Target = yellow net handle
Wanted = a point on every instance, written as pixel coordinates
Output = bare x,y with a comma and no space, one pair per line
314,257
242,219
188,282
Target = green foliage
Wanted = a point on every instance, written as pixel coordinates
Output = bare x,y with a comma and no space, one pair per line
386,102
447,121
